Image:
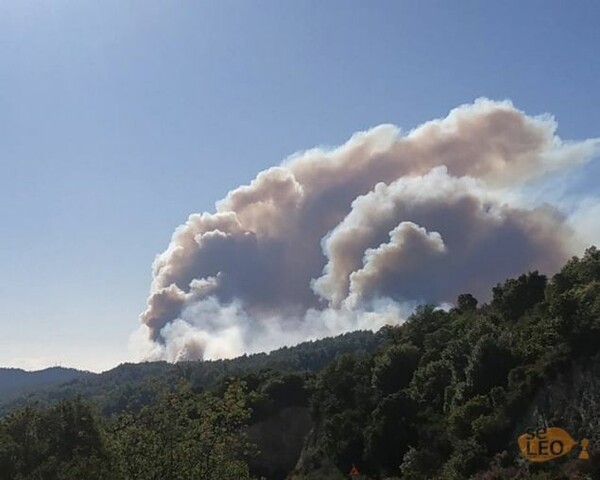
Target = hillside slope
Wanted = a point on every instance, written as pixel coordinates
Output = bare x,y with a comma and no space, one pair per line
450,394
14,381
130,386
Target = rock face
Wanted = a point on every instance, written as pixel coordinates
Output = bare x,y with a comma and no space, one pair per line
313,463
279,439
570,401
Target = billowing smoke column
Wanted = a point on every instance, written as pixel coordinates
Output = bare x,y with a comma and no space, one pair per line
355,237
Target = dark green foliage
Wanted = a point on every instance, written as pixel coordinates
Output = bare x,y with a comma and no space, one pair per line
488,365
574,302
390,432
466,302
394,368
516,296
62,442
272,391
426,320
181,436
452,390
343,400
131,386
443,396
184,435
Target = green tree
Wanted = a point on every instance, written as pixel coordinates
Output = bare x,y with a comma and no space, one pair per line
515,296
186,436
466,302
63,442
390,432
394,367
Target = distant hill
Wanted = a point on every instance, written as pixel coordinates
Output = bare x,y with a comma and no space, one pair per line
15,381
132,385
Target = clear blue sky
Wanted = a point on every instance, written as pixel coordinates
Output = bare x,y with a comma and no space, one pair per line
119,118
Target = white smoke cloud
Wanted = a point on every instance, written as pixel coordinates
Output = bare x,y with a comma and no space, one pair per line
355,237
451,243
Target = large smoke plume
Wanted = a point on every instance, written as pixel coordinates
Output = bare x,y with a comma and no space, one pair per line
355,237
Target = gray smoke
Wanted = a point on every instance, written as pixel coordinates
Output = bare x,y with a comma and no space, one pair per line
355,237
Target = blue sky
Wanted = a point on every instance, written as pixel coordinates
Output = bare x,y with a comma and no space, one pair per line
120,118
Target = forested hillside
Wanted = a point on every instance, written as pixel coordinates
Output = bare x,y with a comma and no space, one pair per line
14,381
129,386
443,396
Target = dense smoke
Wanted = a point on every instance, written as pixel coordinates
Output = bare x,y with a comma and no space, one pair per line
355,237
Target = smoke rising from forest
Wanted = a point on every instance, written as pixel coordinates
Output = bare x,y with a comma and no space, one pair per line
355,237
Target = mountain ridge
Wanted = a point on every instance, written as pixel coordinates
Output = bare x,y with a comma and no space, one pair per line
16,381
132,385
